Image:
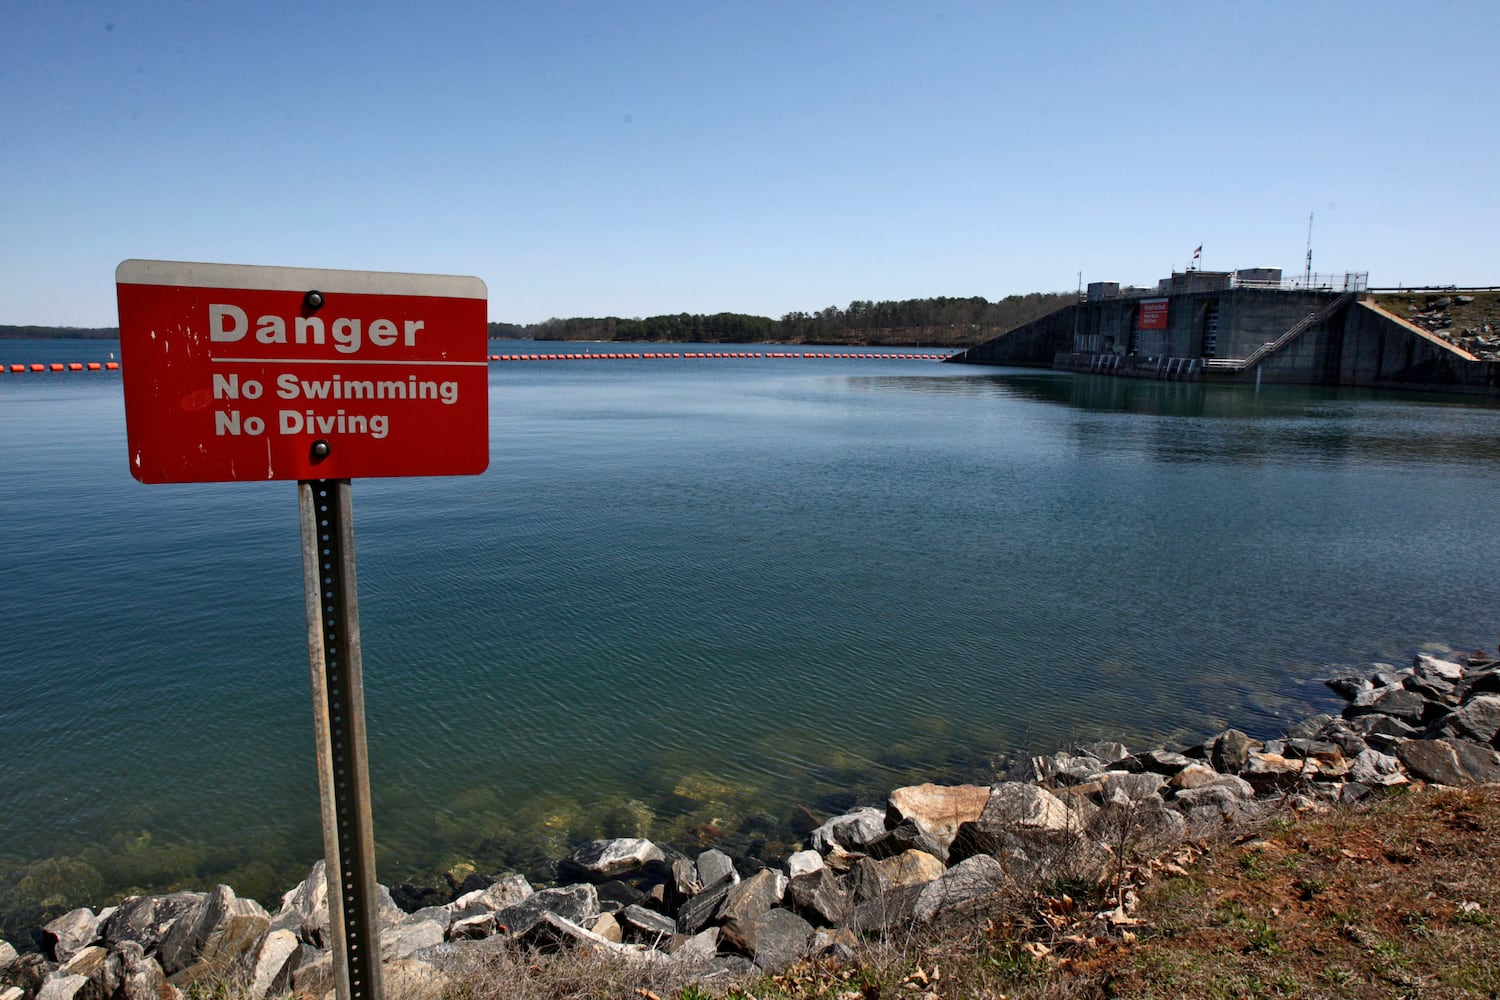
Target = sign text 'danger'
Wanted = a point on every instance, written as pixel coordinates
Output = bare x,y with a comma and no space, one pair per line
234,373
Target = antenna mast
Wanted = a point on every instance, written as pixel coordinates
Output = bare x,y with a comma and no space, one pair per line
1307,274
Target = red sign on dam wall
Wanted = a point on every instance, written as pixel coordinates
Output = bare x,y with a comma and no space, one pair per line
239,372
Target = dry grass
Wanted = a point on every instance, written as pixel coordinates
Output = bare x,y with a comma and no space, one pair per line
1396,899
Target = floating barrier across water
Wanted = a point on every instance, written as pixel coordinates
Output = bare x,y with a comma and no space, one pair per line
717,355
59,366
94,366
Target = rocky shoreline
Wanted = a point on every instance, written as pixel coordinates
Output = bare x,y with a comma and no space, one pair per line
931,853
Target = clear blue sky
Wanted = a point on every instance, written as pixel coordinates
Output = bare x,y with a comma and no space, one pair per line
591,158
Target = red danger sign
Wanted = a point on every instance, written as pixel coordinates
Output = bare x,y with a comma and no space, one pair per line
237,372
1153,314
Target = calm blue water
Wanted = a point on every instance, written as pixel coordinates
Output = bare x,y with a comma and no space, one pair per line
688,596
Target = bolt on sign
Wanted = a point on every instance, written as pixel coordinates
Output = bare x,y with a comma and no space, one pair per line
245,373
237,372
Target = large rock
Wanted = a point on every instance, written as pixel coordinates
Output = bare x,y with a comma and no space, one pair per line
552,930
1123,825
27,971
695,914
1477,720
1122,786
69,934
937,810
62,986
7,955
304,909
1397,702
602,860
101,967
803,863
1229,752
1450,762
408,939
143,978
1437,669
973,878
907,836
505,891
577,903
272,973
774,940
755,895
410,979
853,831
646,926
147,919
821,896
1017,811
217,940
714,866
1375,769
878,878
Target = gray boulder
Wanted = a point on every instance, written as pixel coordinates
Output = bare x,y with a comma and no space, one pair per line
754,896
147,919
1374,769
853,831
714,866
973,878
821,896
1450,762
69,934
100,966
577,903
407,939
1229,751
1434,668
504,891
646,926
552,931
1399,703
1477,720
803,863
272,973
602,860
62,986
773,941
218,939
1017,811
695,914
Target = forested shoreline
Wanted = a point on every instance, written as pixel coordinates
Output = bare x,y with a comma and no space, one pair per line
934,322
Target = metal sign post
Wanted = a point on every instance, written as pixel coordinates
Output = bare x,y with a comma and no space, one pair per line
238,373
339,731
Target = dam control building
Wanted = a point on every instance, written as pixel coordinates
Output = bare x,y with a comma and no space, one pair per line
1250,325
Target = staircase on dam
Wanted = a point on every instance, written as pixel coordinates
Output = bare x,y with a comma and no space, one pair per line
1308,322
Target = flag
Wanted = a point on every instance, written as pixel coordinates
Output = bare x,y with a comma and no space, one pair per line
1198,251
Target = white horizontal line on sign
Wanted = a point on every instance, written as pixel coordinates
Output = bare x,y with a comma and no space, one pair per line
261,277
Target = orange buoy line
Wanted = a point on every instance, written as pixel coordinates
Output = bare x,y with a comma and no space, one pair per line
716,355
59,366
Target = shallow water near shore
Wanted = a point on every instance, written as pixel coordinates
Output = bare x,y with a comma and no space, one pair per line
689,596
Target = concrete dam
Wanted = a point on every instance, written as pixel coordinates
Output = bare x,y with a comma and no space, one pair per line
1250,326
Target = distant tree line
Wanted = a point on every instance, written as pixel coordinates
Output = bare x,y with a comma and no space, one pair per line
937,322
59,332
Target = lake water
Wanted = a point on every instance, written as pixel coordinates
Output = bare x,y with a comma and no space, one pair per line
689,596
